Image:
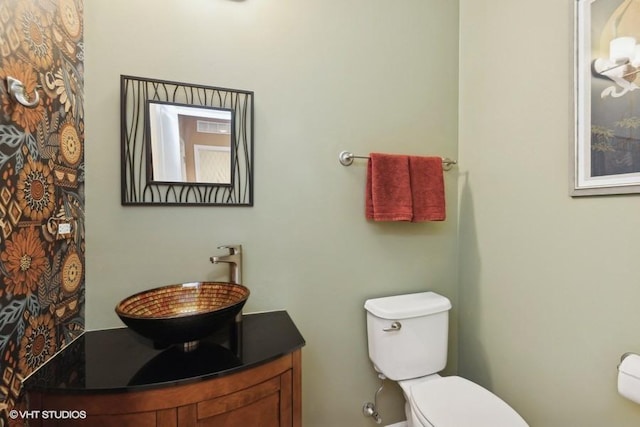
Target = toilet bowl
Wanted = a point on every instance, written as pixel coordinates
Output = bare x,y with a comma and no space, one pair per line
456,401
407,339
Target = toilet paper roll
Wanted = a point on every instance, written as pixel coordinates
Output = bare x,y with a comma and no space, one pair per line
629,377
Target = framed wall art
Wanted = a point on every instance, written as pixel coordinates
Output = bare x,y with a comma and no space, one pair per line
606,149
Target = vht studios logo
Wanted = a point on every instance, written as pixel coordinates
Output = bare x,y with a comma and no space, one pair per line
47,415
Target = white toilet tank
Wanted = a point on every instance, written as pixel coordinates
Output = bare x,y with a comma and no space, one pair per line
408,334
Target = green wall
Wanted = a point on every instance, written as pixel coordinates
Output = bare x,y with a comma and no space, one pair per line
543,285
328,76
548,284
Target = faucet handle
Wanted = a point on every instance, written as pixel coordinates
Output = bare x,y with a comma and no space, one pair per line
233,249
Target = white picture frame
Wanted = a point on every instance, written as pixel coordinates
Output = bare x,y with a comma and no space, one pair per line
605,153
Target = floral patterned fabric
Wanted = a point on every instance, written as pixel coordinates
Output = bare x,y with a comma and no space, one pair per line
42,186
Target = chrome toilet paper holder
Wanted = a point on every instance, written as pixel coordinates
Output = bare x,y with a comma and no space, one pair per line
629,377
625,355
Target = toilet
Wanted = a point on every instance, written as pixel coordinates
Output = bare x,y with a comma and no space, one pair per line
407,336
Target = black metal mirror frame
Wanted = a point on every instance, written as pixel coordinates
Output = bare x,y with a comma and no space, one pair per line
137,189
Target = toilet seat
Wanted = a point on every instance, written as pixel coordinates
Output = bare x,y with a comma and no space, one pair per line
457,402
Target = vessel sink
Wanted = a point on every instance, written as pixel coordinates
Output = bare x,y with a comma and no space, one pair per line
182,313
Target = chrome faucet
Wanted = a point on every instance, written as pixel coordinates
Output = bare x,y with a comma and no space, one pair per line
234,259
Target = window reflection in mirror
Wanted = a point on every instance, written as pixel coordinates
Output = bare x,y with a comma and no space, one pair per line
189,144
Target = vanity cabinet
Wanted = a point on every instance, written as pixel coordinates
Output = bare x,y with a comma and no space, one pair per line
111,378
264,396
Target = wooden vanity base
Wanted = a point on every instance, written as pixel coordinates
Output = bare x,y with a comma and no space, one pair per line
268,395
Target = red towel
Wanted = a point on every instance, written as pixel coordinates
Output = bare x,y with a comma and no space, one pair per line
427,189
404,188
388,192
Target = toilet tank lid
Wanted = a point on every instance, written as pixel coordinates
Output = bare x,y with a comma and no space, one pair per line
407,305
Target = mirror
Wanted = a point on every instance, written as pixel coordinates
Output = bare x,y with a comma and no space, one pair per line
185,144
189,144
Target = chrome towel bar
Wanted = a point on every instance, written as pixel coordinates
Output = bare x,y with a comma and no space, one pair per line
346,159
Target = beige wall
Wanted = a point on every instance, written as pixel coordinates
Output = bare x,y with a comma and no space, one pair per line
362,75
549,284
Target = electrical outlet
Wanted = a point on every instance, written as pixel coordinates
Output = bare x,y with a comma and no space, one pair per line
64,228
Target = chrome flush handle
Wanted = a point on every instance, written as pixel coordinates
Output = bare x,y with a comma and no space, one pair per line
17,92
395,326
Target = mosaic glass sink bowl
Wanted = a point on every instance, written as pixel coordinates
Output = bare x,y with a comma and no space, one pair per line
182,313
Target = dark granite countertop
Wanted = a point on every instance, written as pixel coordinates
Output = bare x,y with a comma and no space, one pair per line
119,360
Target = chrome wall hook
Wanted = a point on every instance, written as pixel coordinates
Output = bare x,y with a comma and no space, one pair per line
17,91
